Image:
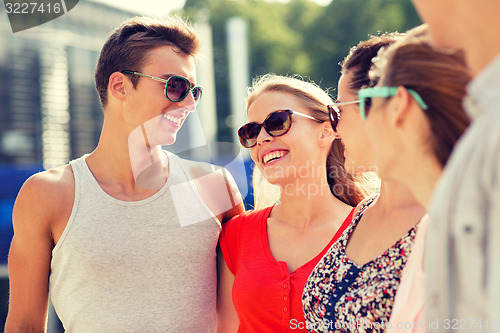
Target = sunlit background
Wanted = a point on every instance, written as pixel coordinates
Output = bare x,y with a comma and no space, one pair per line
49,110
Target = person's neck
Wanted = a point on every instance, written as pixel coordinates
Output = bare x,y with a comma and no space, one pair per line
111,161
148,163
394,196
482,50
413,179
423,179
306,202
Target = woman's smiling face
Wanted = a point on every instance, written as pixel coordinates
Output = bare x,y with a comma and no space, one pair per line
280,158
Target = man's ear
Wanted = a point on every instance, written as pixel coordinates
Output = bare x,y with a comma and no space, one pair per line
116,85
327,134
400,107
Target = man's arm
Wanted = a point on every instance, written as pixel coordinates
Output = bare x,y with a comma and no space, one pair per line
234,197
40,198
227,317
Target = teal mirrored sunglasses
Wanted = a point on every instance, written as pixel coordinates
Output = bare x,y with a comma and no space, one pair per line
366,93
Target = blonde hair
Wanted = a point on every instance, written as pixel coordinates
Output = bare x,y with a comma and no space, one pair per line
316,100
265,194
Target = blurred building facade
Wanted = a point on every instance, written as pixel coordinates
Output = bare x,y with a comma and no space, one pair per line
49,110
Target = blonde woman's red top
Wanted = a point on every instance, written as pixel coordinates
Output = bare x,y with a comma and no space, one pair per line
266,295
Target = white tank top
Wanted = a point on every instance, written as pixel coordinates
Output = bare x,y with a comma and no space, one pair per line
141,266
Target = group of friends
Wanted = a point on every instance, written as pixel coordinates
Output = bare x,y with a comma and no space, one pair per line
132,238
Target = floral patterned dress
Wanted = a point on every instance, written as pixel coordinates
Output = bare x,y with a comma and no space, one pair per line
341,296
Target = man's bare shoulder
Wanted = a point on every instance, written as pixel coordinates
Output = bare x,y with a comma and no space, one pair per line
199,169
217,188
59,179
50,188
196,169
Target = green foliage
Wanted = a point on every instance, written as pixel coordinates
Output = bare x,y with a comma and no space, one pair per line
346,22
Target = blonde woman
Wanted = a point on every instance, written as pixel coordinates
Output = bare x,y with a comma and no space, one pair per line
269,253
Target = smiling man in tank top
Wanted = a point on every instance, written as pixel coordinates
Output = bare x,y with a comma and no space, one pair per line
124,238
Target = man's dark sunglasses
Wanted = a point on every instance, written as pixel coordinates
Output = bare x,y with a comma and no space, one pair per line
176,87
277,123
